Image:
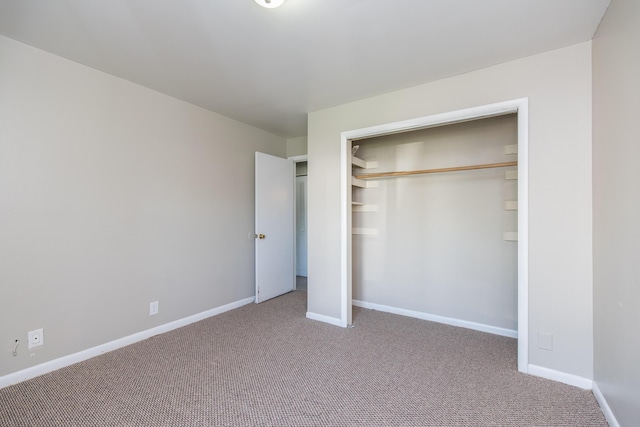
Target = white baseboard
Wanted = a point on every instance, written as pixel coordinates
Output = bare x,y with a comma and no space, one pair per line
604,406
322,318
439,319
80,356
563,377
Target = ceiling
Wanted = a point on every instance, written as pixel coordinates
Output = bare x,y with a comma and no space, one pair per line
270,67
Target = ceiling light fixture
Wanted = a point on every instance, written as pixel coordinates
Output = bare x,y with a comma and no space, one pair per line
270,3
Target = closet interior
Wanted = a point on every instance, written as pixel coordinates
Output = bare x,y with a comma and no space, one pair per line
434,221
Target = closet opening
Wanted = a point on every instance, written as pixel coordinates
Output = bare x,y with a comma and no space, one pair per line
434,220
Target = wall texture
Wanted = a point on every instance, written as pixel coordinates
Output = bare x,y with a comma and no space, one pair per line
558,85
440,247
616,202
113,196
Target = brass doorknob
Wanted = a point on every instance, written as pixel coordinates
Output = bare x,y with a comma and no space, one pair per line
261,236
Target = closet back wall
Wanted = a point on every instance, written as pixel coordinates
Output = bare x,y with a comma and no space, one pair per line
440,247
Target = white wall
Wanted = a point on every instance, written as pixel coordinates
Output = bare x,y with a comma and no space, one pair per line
558,85
297,146
440,247
616,230
113,196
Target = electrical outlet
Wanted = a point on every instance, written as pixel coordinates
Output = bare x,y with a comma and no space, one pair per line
35,338
545,341
153,308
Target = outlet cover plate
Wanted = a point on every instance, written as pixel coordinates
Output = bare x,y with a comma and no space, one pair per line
545,341
153,308
35,338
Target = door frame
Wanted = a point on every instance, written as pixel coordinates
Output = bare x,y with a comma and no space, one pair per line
518,106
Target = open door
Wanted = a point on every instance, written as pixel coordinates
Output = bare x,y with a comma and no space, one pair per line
275,227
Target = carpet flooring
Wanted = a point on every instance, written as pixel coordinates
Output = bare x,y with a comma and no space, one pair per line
267,365
301,283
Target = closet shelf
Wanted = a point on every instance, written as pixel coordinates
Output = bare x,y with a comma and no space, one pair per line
510,236
452,169
365,231
511,149
355,161
365,208
511,205
512,174
363,184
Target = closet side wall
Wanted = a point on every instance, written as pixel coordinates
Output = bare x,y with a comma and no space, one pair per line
558,86
440,246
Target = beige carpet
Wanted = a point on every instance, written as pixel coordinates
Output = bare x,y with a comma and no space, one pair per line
267,365
301,283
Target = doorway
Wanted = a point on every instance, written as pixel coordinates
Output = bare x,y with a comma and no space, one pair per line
300,167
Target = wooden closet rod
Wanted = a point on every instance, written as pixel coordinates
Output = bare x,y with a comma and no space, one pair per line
454,169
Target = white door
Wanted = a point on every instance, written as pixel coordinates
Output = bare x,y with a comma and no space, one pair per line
274,227
301,226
